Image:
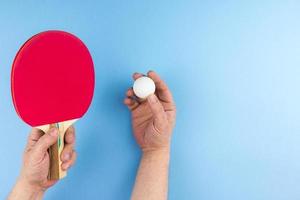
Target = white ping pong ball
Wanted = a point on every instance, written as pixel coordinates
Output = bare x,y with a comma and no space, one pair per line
143,87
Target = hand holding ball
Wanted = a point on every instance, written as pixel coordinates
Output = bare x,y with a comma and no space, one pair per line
143,87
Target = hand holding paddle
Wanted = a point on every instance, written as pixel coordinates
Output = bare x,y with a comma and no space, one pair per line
33,181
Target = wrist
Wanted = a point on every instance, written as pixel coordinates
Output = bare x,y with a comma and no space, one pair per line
157,150
23,190
160,153
28,188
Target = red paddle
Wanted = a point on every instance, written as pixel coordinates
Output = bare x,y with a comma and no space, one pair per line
52,84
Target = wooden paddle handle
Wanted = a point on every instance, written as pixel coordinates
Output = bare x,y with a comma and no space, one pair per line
55,171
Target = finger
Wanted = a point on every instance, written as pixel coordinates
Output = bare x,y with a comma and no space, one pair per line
137,75
45,142
66,165
158,112
130,93
162,89
131,103
33,137
50,183
70,135
66,153
69,144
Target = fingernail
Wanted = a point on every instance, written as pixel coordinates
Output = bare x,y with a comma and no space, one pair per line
152,98
67,156
53,132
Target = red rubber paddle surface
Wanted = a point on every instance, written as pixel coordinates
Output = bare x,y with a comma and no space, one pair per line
52,78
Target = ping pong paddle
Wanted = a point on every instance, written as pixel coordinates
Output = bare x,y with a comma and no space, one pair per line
52,84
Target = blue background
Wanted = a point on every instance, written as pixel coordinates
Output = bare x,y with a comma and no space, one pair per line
233,68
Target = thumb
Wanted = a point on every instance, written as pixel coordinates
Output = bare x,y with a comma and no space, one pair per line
45,142
158,112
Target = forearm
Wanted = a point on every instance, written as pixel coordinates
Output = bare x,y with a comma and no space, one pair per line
23,191
152,177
